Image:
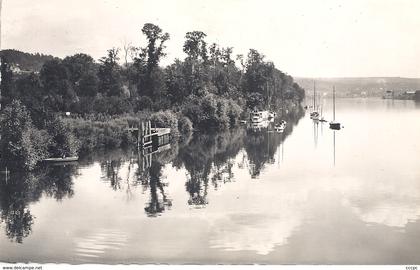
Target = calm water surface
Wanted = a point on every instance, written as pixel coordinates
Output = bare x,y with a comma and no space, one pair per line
309,195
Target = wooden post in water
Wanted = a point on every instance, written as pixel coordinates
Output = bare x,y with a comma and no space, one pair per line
141,134
7,174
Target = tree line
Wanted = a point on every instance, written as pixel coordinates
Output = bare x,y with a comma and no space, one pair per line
211,86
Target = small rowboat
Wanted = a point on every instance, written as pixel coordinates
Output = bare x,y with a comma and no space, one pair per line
64,159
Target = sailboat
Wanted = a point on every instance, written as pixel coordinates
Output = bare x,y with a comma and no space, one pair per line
334,124
281,126
314,114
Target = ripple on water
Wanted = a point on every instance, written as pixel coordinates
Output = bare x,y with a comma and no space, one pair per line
96,244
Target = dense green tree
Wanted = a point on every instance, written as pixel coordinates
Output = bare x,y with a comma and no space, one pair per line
31,93
7,87
196,70
82,74
109,74
156,44
195,46
21,145
62,143
57,88
150,77
112,105
255,101
176,82
143,103
26,62
207,86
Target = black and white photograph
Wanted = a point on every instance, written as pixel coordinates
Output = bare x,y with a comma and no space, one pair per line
209,133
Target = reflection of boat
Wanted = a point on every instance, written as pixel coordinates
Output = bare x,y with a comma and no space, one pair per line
333,124
280,126
63,159
334,146
314,115
257,126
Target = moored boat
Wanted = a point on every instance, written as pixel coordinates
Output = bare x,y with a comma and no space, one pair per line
314,114
280,127
62,159
334,124
259,116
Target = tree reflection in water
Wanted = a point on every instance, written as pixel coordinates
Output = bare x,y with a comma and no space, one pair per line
111,172
157,204
57,181
15,196
19,190
149,175
208,156
208,159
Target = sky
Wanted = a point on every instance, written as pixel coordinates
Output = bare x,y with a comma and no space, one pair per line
304,38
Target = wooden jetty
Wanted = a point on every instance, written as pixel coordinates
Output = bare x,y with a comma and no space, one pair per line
148,137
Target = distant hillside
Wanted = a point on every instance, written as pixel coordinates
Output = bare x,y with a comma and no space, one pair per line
350,87
25,61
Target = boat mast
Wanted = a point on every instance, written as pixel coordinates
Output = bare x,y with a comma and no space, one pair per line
334,103
267,90
314,98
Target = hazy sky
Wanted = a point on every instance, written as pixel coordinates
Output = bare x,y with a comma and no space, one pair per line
324,38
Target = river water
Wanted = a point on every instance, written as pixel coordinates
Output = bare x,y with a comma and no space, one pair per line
309,195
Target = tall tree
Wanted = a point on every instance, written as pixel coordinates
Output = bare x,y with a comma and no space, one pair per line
6,83
196,63
150,76
21,145
156,44
82,74
110,81
195,46
56,83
